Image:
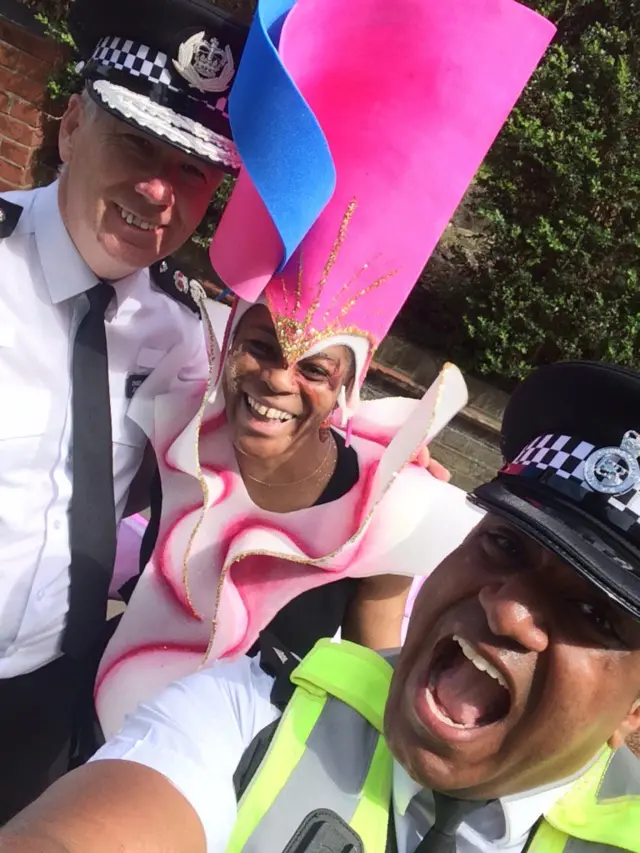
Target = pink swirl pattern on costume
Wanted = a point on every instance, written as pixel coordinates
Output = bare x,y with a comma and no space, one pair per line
165,648
382,525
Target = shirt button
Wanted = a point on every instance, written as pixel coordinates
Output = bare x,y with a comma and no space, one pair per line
57,525
40,595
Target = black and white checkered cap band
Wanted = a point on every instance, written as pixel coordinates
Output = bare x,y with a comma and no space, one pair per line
139,60
558,461
138,82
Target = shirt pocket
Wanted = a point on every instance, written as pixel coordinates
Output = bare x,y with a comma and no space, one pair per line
24,419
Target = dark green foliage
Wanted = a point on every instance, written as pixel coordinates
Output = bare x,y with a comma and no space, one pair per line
554,273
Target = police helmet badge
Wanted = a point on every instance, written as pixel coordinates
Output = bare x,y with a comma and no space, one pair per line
204,64
615,470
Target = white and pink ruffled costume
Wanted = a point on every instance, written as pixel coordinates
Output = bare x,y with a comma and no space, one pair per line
410,96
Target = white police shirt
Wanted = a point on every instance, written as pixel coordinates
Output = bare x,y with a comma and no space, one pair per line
43,280
195,732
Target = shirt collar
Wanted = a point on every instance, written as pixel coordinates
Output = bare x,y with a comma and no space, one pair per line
519,812
65,272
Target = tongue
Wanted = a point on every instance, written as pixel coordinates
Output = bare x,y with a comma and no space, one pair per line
469,696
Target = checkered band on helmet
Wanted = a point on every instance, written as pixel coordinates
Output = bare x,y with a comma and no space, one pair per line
140,60
559,462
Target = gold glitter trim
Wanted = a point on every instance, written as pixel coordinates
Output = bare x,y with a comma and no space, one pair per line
199,295
296,337
309,561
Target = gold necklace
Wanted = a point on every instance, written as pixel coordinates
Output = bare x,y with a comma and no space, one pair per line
304,479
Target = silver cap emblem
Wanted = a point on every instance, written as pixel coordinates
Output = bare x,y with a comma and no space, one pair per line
615,470
204,64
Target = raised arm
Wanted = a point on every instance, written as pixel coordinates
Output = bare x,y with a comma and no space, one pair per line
375,613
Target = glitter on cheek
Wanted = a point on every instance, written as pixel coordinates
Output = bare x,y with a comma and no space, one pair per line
232,373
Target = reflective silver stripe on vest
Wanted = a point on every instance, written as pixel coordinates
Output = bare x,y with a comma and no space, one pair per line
576,845
330,775
621,779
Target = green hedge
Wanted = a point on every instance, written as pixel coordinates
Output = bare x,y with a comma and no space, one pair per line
551,267
547,265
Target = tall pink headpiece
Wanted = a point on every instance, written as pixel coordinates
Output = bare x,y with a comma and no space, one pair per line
410,95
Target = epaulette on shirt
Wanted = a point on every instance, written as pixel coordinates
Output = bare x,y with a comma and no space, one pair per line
9,215
168,277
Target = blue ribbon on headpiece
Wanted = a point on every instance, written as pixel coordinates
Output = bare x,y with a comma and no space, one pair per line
278,137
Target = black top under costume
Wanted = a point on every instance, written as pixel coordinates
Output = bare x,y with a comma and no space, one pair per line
316,613
319,612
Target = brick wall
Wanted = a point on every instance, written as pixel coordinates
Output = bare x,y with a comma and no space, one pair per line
26,62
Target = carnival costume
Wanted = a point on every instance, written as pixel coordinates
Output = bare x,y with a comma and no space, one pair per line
406,97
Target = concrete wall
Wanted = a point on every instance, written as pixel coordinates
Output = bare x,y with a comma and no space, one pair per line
470,446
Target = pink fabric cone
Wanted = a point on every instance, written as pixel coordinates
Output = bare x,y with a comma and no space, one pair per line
408,120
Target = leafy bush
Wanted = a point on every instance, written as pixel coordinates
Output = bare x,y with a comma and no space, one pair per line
552,269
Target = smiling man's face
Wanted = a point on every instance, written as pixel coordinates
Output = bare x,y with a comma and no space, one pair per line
127,199
516,670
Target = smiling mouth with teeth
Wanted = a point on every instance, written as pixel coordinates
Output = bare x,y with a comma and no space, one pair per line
267,412
464,689
132,219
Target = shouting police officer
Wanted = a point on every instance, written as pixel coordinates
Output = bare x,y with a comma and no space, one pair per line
506,716
86,316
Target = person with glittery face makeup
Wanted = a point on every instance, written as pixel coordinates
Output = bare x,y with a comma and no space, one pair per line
279,414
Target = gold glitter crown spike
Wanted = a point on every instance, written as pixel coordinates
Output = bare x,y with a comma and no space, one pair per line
407,153
323,310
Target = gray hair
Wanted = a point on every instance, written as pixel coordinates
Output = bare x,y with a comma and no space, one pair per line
89,107
91,111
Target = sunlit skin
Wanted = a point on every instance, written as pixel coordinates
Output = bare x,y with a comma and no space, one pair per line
570,657
280,451
109,166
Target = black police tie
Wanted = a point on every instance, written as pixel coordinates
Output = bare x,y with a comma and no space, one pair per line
450,813
93,516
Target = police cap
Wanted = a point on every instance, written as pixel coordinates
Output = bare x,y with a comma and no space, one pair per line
164,66
571,478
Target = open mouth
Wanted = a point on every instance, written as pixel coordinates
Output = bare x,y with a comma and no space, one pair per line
131,219
266,413
465,690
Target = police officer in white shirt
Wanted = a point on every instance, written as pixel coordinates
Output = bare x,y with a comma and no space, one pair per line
506,716
85,316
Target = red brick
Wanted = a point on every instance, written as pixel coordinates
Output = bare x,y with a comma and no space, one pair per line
16,84
42,48
5,102
23,63
14,153
25,112
11,174
19,132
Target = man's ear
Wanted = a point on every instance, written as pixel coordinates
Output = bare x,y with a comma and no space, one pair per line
628,726
71,121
